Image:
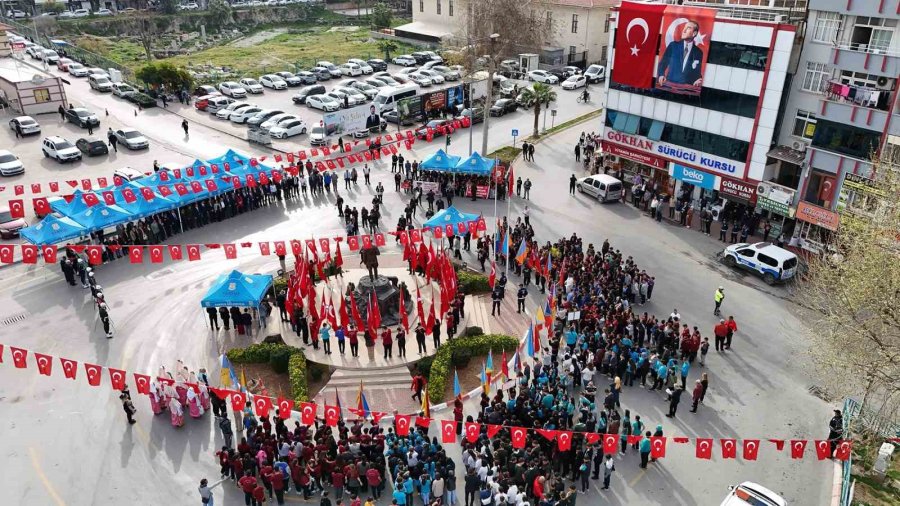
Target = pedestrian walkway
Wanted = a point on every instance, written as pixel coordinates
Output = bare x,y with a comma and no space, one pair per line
508,322
387,388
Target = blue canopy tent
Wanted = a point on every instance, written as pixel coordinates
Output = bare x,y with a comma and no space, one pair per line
440,161
232,157
475,164
141,208
154,180
74,206
101,216
450,216
237,289
52,230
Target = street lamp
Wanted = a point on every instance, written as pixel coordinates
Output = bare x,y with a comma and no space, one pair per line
494,37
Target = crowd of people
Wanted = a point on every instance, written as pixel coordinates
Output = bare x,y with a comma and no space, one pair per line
183,391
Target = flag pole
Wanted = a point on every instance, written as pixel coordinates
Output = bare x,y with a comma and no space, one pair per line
508,203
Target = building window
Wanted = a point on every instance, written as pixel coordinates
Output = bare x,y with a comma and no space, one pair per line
738,55
439,7
872,34
574,23
729,102
549,19
846,139
816,77
827,26
804,124
421,5
450,7
42,95
603,54
606,24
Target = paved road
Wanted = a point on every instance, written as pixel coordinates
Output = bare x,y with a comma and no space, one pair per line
758,391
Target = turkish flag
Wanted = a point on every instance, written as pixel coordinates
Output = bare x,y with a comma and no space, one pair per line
308,413
129,196
843,450
823,449
16,208
235,181
19,355
41,206
49,253
264,248
366,241
325,246
181,189
136,254
379,239
729,448
401,424
95,255
230,251
90,199
448,431
72,182
280,249
473,430
297,248
193,252
175,251
29,253
519,436
610,443
798,447
101,182
70,367
202,170
163,175
353,243
493,429
94,373
238,400
704,448
109,198
564,440
284,408
54,186
591,437
86,185
211,185
262,405
251,181
549,434
189,171
636,39
422,421
142,382
44,363
196,187
117,378
148,194
657,447
332,415
156,254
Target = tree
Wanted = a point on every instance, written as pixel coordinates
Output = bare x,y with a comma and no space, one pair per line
56,7
172,77
219,15
854,291
381,16
539,94
168,6
386,46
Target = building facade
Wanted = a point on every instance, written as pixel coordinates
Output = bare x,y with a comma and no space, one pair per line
712,147
841,112
579,28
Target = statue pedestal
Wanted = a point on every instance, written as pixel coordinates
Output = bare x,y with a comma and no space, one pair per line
387,292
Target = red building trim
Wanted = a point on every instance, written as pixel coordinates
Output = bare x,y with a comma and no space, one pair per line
853,113
762,96
869,118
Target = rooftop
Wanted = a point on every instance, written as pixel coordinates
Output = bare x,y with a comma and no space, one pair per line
18,71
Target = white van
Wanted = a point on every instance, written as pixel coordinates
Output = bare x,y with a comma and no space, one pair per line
217,103
603,187
773,263
387,97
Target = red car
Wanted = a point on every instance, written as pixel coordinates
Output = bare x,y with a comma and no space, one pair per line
202,102
435,126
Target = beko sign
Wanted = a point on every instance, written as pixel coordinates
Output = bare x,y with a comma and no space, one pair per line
675,153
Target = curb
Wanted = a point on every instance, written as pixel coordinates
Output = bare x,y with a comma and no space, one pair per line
836,483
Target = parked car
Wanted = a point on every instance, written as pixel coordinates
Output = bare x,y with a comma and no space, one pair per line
227,111
141,99
393,116
9,226
307,91
251,85
203,90
242,115
318,136
273,81
321,73
16,14
81,13
343,99
503,106
423,57
263,115
364,66
91,146
63,64
100,83
275,120
94,71
359,97
323,103
377,64
752,494
595,73
432,56
27,125
35,51
131,138
447,73
104,12
404,60
435,126
77,70
542,76
362,134
232,89
122,89
307,77
435,76
350,69
375,82
774,264
475,114
202,102
573,82
288,128
602,187
50,56
10,165
82,117
131,174
290,78
422,79
60,149
331,67
365,88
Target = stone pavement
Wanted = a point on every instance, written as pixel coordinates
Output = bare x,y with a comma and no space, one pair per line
386,389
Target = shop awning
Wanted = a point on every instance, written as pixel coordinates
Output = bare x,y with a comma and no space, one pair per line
786,154
420,30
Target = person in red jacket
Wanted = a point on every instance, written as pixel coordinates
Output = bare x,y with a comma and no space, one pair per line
248,485
387,342
732,330
276,478
696,394
721,332
259,495
265,472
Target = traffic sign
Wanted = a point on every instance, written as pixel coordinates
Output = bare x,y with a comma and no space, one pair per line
515,132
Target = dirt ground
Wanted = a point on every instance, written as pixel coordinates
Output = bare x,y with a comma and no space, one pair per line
469,376
277,385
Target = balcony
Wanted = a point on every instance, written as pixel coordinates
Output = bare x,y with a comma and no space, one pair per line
855,105
836,163
874,8
865,59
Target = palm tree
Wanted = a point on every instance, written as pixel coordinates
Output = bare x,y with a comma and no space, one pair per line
537,95
387,46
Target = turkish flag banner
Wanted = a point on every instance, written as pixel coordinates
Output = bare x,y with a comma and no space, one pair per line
136,254
175,251
181,189
211,185
117,378
415,235
264,248
193,252
156,254
519,436
798,447
54,186
473,430
163,175
16,208
704,448
492,430
353,243
109,198
86,185
19,355
95,255
94,373
101,182
196,187
235,181
379,240
823,449
70,367
657,447
44,363
189,171
35,187
230,251
297,248
90,199
280,249
238,400
549,434
72,182
142,382
49,253
635,47
448,431
214,168
422,421
564,440
366,241
332,415
129,196
401,424
29,253
147,193
610,443
202,170
308,413
262,405
729,448
843,450
284,408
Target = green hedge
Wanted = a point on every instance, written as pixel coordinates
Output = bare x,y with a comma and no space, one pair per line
473,282
262,353
442,366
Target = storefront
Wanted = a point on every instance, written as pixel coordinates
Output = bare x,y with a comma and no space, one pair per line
693,184
814,227
734,195
633,162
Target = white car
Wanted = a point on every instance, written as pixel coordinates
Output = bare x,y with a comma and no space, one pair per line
289,78
375,82
94,71
273,81
77,70
573,82
26,124
104,12
190,6
330,67
60,149
323,103
226,112
350,69
275,120
365,88
10,165
542,76
131,138
363,65
318,136
263,115
35,51
447,73
345,98
232,89
251,85
16,14
81,13
122,90
242,115
288,128
404,60
50,56
752,494
100,82
354,94
436,77
421,79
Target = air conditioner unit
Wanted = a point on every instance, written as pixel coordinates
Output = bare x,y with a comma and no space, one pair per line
762,190
781,19
799,146
884,83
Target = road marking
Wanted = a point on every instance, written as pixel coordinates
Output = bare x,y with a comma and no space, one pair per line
47,485
637,478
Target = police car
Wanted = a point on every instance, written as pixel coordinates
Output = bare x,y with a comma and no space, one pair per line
771,262
752,494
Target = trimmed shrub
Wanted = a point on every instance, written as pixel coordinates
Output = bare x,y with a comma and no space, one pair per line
297,376
473,282
442,366
279,360
473,331
274,354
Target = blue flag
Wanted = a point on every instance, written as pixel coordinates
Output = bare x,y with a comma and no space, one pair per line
506,244
529,340
457,391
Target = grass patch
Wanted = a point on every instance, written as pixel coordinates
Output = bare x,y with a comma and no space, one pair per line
458,352
505,154
567,124
869,490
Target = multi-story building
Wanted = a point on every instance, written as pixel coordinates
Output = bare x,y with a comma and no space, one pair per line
578,29
841,112
710,147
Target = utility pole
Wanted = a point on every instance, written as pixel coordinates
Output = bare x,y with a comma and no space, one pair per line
490,91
